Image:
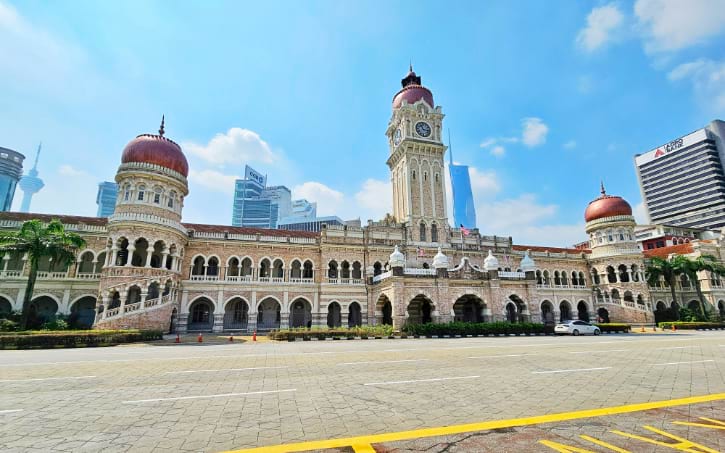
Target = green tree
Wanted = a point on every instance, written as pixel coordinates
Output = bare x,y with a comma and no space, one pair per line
38,241
667,269
691,267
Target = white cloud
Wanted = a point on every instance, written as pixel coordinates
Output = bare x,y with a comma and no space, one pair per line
602,23
484,183
640,214
213,180
487,142
708,81
236,146
375,198
70,171
670,25
329,201
498,151
571,144
534,133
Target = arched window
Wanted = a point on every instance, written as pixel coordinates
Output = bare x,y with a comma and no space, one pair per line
172,196
623,275
345,270
356,270
307,270
557,279
422,231
434,233
141,192
582,281
564,281
127,192
157,195
611,274
595,277
332,269
413,174
377,268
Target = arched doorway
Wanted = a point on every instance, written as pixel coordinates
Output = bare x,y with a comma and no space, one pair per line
236,314
173,321
694,306
83,313
334,315
547,313
354,315
721,309
42,310
201,315
384,310
420,310
301,313
519,312
5,306
468,308
582,311
564,311
511,315
268,314
603,315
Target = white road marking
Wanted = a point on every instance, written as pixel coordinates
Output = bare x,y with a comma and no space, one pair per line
221,395
10,411
601,350
226,369
422,380
47,379
495,356
383,361
678,347
571,371
679,363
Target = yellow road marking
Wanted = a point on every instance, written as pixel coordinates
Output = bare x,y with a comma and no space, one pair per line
716,424
601,443
682,443
363,448
481,426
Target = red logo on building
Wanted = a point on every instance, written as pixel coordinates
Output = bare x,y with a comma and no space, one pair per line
659,153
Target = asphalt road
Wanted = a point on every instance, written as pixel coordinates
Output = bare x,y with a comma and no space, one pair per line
220,397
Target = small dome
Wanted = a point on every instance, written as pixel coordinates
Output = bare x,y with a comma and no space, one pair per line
397,259
490,263
440,261
527,264
607,206
157,150
413,91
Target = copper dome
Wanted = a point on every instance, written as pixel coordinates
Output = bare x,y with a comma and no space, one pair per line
412,91
607,206
158,150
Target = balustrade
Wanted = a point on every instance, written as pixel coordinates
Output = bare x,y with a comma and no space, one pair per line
10,274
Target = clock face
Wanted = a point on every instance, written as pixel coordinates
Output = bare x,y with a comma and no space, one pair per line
397,136
423,129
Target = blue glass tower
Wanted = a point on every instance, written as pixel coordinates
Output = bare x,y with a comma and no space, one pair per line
464,212
11,168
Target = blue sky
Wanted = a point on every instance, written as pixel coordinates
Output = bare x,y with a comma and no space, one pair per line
543,99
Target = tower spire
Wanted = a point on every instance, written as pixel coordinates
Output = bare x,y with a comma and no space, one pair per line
37,155
161,129
603,192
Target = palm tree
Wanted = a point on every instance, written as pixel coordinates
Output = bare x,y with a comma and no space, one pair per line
702,263
38,241
668,269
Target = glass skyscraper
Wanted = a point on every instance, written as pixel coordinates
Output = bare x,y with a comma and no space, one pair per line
106,198
256,205
11,168
464,212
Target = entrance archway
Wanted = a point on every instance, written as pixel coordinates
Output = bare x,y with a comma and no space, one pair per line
519,309
511,315
420,310
301,313
236,314
547,313
603,315
173,321
42,309
268,314
384,310
721,308
582,311
468,308
334,315
354,316
564,311
5,306
201,315
83,313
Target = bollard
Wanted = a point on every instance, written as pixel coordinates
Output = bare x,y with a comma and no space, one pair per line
254,336
199,338
642,330
654,328
231,339
178,339
674,328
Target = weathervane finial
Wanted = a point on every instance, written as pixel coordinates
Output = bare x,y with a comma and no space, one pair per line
604,192
410,67
161,129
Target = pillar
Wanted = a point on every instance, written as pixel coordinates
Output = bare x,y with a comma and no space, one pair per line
130,250
149,254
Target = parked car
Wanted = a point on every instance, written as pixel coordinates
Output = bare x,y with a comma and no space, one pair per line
576,328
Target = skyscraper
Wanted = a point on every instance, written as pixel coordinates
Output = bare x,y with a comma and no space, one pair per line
683,182
303,209
31,184
256,205
11,167
464,211
106,198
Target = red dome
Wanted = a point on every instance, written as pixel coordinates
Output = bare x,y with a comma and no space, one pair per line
607,206
413,94
158,150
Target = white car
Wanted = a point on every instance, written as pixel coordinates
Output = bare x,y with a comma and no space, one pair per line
576,328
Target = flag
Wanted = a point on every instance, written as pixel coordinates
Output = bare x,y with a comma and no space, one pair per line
465,230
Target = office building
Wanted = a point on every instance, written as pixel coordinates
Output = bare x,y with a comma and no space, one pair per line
31,184
256,205
303,208
106,198
313,224
683,183
11,168
464,211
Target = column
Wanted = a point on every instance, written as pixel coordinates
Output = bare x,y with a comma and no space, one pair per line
130,250
113,256
144,295
164,258
105,299
123,297
6,259
149,253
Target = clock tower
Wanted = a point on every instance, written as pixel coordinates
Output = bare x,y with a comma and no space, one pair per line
416,162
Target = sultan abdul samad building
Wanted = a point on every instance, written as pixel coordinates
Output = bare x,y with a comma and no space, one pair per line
143,267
